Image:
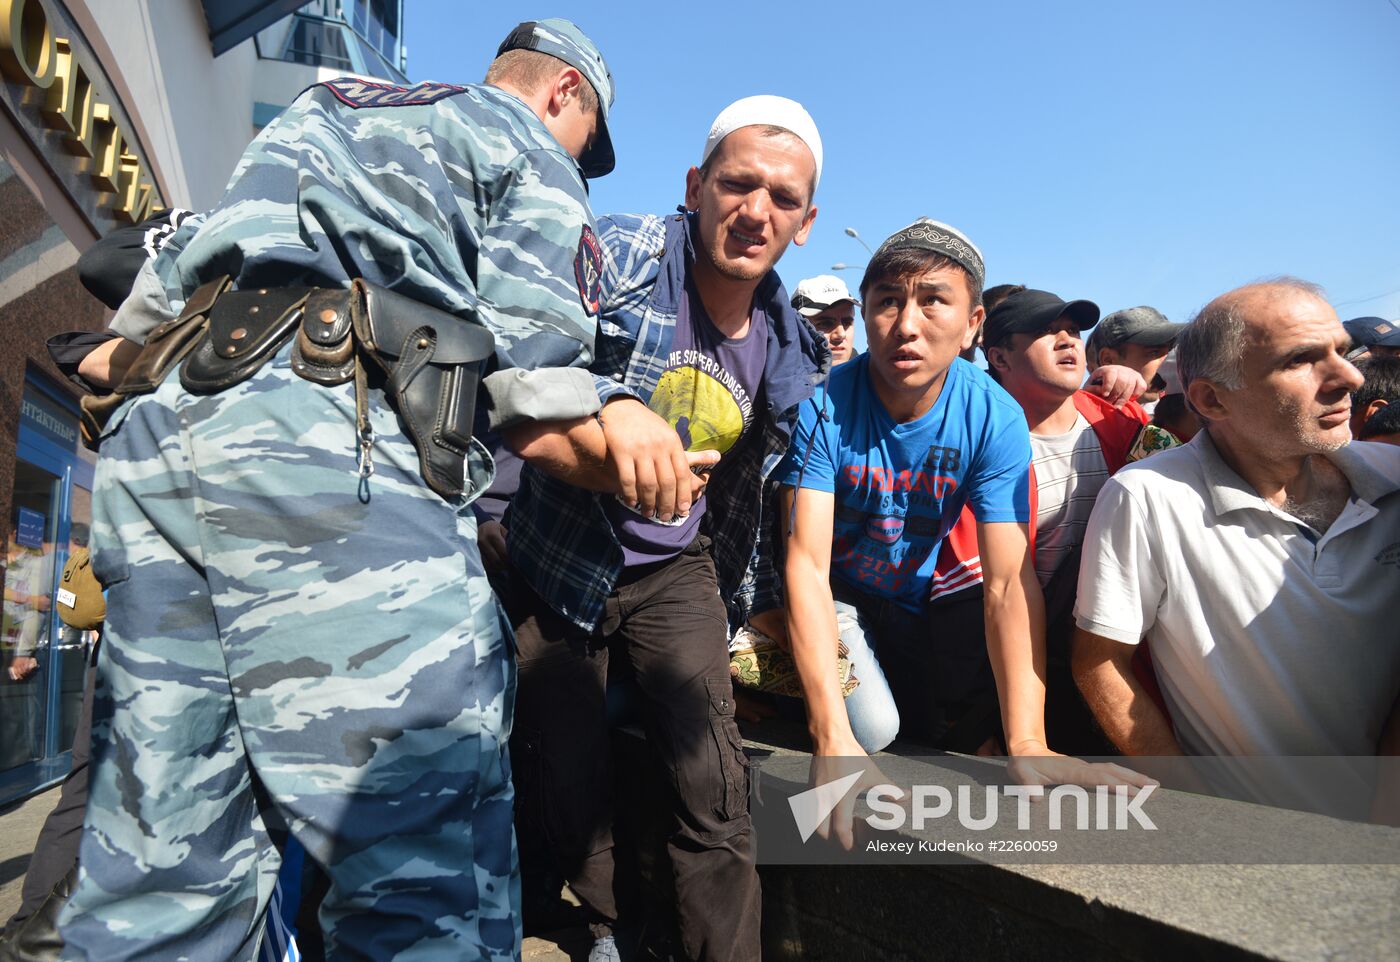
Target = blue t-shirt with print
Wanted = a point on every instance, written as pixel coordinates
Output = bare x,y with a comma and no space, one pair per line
899,488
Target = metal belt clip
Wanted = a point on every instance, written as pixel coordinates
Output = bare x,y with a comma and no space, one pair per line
363,429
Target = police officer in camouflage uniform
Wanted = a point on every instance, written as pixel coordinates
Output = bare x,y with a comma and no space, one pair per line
300,631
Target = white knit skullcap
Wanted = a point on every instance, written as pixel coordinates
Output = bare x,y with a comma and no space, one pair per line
769,111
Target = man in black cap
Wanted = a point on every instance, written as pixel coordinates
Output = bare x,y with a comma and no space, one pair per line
1376,402
1079,437
881,466
1136,337
1372,336
1033,347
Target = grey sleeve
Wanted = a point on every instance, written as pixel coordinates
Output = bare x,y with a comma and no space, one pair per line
145,308
548,394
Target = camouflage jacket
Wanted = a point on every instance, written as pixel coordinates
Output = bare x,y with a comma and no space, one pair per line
560,539
458,197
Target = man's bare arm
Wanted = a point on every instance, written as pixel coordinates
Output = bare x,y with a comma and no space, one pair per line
1121,705
629,451
811,618
812,637
574,451
1015,619
1015,623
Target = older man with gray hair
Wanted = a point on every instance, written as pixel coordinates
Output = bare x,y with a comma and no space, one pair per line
1297,656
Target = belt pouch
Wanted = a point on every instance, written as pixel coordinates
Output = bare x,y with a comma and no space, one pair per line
325,350
433,362
165,347
245,330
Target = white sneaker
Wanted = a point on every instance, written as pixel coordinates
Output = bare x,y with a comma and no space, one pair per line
604,950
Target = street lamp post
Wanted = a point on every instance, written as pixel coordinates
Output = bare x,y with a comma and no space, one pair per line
847,267
851,232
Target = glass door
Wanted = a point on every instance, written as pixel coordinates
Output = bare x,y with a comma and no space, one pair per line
28,621
42,661
73,653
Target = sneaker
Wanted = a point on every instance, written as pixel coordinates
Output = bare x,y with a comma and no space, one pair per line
604,950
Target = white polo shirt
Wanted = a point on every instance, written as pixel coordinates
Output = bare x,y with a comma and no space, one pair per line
1267,638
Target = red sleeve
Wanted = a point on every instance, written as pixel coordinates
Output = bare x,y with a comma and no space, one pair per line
959,563
1116,427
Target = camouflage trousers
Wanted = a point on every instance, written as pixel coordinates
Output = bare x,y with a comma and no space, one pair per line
281,652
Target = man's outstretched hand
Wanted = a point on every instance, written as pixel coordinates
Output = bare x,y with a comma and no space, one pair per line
1116,384
655,474
839,760
1052,768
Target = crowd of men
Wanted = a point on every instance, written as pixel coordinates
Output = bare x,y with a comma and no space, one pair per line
306,647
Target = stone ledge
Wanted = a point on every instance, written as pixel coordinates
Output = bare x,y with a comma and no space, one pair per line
1299,913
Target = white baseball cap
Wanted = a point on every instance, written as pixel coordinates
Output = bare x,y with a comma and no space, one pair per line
769,111
816,294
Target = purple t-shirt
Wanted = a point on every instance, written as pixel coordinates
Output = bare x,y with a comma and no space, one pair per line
707,393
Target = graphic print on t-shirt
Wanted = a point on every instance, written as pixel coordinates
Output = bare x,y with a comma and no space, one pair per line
703,401
898,488
889,520
707,394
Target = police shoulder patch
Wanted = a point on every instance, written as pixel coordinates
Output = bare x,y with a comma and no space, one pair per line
588,270
366,93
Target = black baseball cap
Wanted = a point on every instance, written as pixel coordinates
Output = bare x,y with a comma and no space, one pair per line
1031,311
1369,332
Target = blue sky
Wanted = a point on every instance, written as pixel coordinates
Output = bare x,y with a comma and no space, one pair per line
1120,151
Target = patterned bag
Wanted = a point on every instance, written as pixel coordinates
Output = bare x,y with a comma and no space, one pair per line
757,661
1149,440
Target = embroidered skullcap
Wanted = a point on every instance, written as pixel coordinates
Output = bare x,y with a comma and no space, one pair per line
932,235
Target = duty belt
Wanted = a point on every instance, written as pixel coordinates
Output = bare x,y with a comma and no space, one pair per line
431,361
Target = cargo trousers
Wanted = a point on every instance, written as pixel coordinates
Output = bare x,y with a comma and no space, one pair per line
667,620
287,644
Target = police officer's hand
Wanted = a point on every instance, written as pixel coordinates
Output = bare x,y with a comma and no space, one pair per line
491,538
22,667
1116,384
653,472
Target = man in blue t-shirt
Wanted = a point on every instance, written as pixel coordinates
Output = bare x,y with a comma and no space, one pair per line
880,467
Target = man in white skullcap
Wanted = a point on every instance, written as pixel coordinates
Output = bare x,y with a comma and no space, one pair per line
696,326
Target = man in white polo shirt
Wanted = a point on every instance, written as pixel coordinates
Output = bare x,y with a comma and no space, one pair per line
1262,559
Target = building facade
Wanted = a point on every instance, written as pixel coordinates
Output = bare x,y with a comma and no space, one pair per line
109,111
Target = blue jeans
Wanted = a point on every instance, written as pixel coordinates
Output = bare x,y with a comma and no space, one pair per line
871,708
924,674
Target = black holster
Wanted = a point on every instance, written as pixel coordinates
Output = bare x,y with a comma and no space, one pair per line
431,360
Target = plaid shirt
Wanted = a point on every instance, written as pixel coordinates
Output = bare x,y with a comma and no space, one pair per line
561,541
